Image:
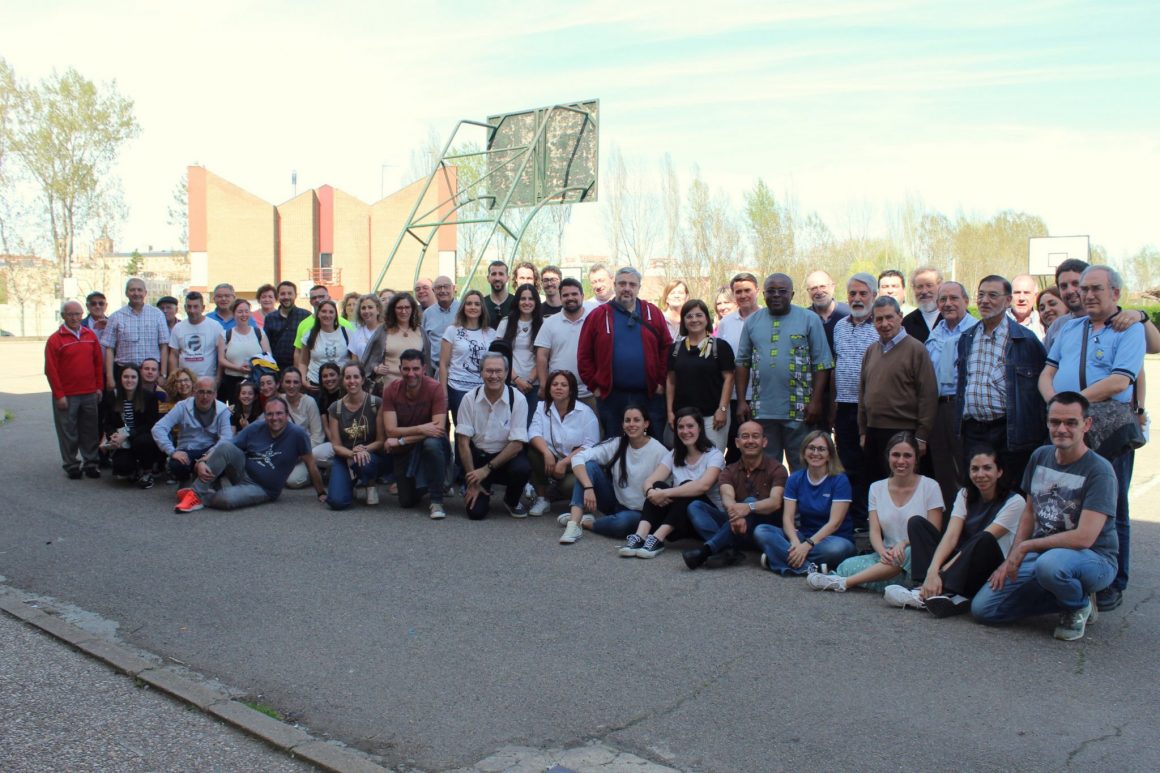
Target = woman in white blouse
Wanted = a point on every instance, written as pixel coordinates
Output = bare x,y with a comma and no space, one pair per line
893,502
694,465
561,428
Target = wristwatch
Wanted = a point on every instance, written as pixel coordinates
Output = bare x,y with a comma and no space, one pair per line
753,507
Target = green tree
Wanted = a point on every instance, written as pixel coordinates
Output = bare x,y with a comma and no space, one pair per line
771,232
1143,270
710,241
135,264
67,133
995,246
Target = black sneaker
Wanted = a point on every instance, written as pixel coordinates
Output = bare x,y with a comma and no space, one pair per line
695,557
1108,599
630,546
947,606
145,481
73,474
92,472
651,548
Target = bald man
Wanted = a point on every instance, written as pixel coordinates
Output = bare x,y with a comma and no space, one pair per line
436,318
201,421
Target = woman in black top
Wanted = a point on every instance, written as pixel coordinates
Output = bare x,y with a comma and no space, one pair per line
128,425
701,373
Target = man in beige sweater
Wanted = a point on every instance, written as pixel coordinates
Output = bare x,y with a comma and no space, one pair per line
898,390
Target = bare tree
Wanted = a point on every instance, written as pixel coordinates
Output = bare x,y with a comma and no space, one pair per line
178,212
670,206
631,219
710,241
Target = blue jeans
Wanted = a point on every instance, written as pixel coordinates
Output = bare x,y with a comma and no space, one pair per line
1055,580
433,458
618,521
831,550
340,492
712,525
1123,465
183,472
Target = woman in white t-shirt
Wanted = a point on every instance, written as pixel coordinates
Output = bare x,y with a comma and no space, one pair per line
952,567
893,502
694,465
519,329
610,478
236,348
327,342
464,344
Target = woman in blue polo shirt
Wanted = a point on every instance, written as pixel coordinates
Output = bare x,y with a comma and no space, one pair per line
818,498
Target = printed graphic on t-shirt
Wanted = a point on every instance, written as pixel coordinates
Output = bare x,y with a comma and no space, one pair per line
1057,498
263,457
193,348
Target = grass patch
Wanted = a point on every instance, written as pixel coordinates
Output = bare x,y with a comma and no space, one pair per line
269,711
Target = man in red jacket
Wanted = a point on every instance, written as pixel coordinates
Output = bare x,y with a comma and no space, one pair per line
623,355
75,369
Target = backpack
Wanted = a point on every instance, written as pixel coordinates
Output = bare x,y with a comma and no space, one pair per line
260,365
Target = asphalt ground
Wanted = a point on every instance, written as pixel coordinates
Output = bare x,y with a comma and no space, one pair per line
60,710
432,645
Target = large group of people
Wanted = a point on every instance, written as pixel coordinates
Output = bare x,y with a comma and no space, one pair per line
987,459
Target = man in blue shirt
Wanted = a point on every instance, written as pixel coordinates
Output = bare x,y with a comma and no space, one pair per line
255,464
942,346
785,348
1091,357
223,298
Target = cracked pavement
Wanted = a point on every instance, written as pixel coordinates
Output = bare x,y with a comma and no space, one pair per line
445,645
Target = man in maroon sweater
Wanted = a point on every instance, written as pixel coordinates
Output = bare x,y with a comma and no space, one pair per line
75,369
898,390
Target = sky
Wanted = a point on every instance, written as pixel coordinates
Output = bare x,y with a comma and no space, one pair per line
1043,106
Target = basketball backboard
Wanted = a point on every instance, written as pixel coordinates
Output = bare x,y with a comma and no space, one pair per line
1044,253
564,144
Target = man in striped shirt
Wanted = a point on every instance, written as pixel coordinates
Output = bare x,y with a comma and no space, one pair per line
135,333
852,336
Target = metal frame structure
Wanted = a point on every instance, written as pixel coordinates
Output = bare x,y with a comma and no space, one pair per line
420,226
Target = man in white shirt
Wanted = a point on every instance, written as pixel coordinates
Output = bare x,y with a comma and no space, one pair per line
744,287
558,338
490,435
600,280
193,340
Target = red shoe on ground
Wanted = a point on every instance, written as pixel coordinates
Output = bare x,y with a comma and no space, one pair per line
189,502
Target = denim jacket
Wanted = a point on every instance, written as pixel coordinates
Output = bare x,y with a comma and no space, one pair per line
1026,411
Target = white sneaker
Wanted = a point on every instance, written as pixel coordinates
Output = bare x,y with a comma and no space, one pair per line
572,532
587,519
372,495
819,581
437,513
903,597
529,492
539,507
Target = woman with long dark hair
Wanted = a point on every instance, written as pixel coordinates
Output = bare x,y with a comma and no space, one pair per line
128,425
953,566
402,329
329,386
693,466
244,409
562,427
327,342
519,330
610,478
893,502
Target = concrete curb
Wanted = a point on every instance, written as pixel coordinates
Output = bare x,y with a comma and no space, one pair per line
294,741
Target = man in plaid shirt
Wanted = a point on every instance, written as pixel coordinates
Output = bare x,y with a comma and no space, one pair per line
135,333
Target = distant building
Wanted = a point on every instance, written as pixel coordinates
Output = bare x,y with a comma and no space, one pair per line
321,236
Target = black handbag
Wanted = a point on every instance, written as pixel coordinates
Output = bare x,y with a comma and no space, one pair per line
1115,425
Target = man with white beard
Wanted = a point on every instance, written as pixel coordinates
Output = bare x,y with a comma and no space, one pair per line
852,336
918,323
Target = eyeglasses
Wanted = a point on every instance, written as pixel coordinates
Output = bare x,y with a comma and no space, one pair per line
1069,423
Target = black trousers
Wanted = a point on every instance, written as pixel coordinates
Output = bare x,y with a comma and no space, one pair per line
513,476
971,565
675,514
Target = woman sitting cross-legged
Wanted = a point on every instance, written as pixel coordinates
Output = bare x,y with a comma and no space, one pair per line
127,424
610,478
818,496
694,465
353,428
561,428
953,569
892,503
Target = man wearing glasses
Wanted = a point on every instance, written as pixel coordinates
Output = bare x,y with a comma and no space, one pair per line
998,400
436,318
785,349
97,305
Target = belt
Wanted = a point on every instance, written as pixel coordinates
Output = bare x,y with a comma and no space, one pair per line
991,423
946,399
